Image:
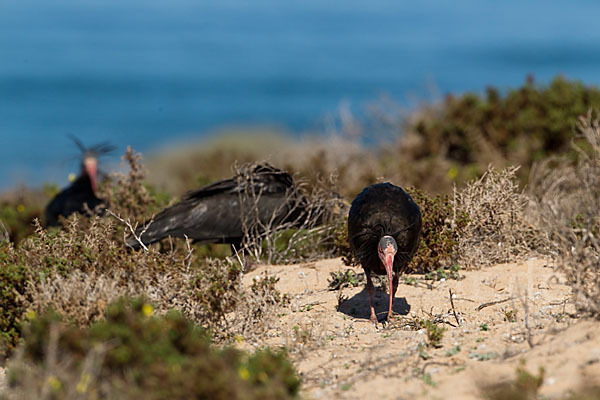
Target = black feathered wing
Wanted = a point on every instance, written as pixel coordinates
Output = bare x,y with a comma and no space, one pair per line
214,213
208,219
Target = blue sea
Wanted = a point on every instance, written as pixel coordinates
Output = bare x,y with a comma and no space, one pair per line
149,73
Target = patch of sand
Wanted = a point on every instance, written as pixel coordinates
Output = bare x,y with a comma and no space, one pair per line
340,354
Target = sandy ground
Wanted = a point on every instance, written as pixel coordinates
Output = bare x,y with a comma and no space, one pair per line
340,354
503,316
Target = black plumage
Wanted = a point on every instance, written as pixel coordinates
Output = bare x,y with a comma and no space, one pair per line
217,213
73,199
80,197
383,220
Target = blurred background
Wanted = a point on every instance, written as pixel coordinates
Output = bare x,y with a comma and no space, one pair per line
157,74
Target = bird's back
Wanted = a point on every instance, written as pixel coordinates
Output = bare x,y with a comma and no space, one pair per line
77,198
383,209
215,213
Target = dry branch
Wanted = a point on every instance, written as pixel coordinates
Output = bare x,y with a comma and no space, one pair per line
302,228
132,227
454,309
492,303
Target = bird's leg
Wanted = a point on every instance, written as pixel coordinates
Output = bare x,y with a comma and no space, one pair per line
391,283
371,290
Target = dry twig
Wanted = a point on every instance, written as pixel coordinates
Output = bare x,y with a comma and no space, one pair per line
453,309
132,229
491,303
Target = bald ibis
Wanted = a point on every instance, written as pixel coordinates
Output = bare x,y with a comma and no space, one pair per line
80,197
217,213
384,225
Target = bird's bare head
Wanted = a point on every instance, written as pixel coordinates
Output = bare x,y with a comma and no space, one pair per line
89,159
386,250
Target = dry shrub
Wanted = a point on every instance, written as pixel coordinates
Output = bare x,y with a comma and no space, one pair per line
226,307
82,297
498,230
84,268
304,227
581,265
128,195
79,270
567,197
355,166
257,309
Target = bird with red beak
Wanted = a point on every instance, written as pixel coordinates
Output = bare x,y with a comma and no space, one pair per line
386,250
384,225
80,197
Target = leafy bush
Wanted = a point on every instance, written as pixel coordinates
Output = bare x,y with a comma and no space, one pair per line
441,228
13,281
342,246
132,354
519,127
347,278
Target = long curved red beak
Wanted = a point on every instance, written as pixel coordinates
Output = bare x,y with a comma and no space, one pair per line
90,165
389,254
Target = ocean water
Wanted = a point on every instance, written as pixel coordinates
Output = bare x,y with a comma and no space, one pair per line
147,73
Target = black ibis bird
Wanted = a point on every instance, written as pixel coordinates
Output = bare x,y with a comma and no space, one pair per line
384,225
261,195
80,196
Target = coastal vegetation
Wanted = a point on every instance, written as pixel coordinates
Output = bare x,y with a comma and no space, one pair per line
500,177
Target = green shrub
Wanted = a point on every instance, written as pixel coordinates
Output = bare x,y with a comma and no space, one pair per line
347,278
523,125
17,214
133,354
526,386
216,289
435,332
342,246
13,281
440,231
